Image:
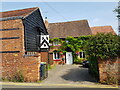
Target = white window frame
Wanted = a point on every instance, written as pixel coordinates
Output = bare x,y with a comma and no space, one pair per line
56,55
81,54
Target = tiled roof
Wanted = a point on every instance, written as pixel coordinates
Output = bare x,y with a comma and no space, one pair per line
17,13
102,29
72,28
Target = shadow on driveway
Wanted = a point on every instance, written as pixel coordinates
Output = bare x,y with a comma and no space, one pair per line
78,74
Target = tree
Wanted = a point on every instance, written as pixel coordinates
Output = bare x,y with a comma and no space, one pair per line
117,10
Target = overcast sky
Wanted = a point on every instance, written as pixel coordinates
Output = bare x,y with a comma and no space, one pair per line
97,13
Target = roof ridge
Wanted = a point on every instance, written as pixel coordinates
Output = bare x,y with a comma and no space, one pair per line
19,9
102,26
69,21
18,13
31,12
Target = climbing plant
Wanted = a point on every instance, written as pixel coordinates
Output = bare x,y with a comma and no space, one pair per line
56,39
74,44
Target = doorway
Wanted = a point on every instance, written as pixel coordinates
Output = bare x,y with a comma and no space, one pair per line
69,58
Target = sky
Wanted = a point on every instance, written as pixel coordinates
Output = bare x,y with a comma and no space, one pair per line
97,13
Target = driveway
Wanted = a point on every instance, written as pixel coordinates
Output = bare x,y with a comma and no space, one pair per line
63,76
69,74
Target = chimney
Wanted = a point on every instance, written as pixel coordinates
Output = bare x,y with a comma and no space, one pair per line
46,22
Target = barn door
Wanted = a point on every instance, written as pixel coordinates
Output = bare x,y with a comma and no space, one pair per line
69,58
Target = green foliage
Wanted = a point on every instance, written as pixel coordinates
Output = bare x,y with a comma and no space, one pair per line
118,10
55,39
5,79
39,81
55,51
50,67
93,67
103,46
79,60
75,44
18,77
52,46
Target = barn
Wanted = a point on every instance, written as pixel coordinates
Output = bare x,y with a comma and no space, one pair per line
25,43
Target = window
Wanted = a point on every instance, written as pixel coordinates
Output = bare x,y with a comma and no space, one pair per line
56,55
82,54
30,53
55,43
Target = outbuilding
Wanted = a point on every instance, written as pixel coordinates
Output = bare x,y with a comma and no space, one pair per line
25,43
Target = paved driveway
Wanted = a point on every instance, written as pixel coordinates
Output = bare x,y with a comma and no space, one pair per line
69,74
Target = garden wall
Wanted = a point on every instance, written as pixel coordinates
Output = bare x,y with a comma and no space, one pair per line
108,71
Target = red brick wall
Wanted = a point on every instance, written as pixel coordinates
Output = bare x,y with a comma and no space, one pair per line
12,62
12,44
50,58
108,71
119,70
57,62
44,57
29,66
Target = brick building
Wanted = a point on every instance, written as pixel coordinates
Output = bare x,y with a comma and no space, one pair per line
62,30
24,43
75,29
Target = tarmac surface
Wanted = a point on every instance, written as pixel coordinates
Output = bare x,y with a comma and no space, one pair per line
69,74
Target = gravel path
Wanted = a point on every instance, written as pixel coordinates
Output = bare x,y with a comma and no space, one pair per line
69,74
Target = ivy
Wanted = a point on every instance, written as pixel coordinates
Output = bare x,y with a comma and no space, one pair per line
74,44
56,39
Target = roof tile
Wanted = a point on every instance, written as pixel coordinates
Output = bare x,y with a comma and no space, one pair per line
102,29
72,28
16,13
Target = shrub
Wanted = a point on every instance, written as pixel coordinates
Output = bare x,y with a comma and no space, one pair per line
18,77
79,60
103,47
49,67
